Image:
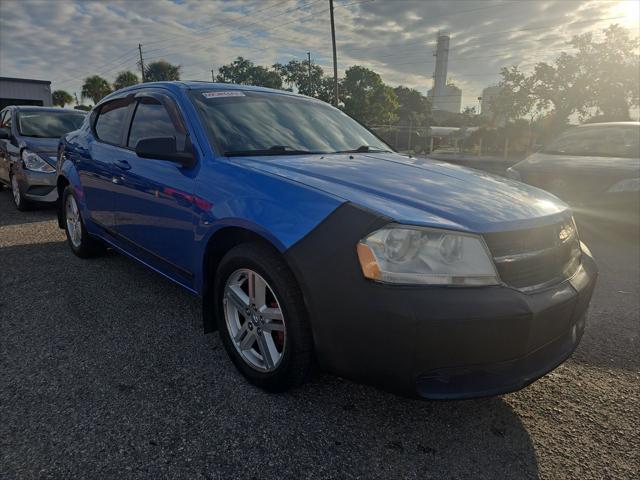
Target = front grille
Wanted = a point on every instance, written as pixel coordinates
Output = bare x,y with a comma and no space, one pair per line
536,257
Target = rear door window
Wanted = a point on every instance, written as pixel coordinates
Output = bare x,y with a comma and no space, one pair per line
110,121
153,119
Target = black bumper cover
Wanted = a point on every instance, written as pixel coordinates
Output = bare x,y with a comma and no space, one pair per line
433,342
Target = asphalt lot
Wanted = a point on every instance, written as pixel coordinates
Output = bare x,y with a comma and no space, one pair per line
105,373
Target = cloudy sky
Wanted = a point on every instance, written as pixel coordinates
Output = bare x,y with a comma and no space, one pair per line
66,40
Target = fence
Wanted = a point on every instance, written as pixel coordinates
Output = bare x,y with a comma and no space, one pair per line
458,140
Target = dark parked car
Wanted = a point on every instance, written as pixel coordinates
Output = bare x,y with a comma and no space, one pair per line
308,240
28,141
594,167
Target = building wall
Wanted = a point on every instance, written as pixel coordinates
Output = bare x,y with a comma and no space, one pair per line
24,91
488,95
449,101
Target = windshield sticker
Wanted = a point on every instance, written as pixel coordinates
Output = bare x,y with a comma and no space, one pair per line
231,93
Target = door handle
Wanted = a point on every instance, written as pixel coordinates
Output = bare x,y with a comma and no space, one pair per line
122,164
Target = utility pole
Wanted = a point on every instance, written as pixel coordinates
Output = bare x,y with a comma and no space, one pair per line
309,65
76,96
141,62
335,60
213,78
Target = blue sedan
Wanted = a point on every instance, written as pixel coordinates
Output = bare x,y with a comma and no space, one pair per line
311,242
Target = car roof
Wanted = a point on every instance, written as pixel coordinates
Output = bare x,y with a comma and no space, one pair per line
35,108
202,85
610,124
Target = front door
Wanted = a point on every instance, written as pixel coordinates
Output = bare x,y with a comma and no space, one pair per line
95,163
154,201
7,148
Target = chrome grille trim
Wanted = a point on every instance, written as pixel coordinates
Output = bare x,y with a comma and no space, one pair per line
536,258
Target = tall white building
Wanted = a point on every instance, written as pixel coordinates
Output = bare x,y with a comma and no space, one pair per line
489,94
444,97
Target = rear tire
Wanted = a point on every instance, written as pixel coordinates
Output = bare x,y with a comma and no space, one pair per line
273,320
82,244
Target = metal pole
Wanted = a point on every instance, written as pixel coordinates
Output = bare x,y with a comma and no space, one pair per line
141,62
213,79
309,65
335,60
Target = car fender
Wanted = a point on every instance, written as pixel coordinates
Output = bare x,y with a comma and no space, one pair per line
67,172
279,210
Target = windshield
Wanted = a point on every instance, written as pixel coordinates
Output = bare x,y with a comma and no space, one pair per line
611,141
257,123
48,124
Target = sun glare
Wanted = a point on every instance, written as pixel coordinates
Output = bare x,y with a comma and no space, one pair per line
631,11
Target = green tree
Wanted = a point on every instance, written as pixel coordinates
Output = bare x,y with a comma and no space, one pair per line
160,71
610,71
414,108
598,78
516,98
95,88
61,98
367,98
244,72
125,79
296,74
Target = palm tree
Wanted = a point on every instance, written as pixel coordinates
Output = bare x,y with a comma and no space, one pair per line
125,79
61,98
161,70
95,88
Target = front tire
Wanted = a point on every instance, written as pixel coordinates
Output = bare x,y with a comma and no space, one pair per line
262,319
21,203
82,244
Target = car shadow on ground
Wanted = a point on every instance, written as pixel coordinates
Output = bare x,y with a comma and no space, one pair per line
9,215
107,368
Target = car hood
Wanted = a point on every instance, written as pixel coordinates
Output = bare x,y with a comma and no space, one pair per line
419,191
45,147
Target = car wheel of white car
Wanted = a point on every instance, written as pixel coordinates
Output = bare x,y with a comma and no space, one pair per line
16,193
261,317
81,243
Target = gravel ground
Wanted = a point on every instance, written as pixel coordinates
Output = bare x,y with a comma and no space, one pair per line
105,373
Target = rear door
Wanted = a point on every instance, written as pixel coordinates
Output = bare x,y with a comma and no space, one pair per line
154,201
4,157
96,169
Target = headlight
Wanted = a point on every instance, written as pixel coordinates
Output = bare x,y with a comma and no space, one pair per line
35,163
426,256
513,174
628,185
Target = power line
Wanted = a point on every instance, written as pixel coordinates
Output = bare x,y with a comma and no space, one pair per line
210,27
422,42
228,29
261,10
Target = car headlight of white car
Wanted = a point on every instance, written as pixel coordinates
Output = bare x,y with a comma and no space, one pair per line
426,256
513,174
35,163
627,185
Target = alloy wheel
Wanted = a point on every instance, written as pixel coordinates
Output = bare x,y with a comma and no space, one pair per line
255,322
74,225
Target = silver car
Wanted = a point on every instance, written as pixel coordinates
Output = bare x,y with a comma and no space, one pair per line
28,144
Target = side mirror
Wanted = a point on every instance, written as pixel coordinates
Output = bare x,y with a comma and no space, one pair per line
164,148
5,133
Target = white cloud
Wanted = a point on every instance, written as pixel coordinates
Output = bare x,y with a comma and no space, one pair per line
66,40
